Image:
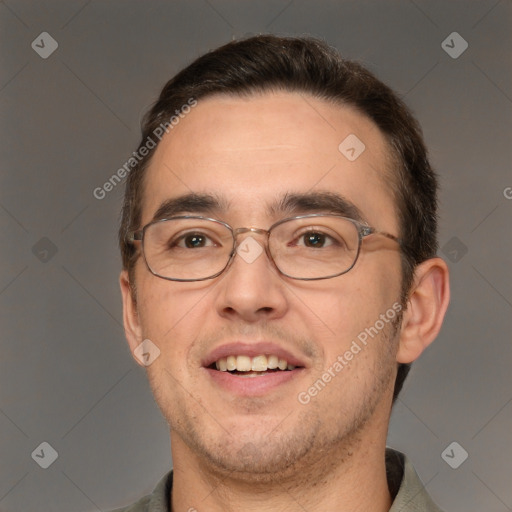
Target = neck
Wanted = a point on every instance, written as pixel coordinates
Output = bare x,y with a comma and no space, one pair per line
348,478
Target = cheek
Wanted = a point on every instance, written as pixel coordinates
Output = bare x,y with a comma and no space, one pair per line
171,315
348,305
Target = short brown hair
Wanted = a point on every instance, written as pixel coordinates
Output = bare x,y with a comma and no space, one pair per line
270,63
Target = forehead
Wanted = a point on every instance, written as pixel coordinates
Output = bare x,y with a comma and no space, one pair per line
254,151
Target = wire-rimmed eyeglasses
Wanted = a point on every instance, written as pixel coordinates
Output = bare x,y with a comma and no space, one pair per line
306,247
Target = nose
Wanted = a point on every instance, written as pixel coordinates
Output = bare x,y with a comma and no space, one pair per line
251,288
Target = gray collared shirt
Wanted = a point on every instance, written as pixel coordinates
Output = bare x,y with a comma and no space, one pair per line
404,484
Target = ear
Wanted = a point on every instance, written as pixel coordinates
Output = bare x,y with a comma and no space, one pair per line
428,301
132,329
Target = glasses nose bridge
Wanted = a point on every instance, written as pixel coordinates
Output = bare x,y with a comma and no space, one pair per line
256,231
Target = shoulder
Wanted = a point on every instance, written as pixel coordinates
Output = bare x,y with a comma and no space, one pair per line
158,501
411,494
140,506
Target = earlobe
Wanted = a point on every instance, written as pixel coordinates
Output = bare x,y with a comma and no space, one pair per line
426,308
131,323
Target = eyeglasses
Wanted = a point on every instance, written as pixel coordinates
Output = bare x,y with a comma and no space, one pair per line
306,247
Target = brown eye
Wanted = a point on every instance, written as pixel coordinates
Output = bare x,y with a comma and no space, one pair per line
314,240
193,241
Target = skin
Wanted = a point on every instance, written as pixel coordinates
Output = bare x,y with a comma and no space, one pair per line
271,452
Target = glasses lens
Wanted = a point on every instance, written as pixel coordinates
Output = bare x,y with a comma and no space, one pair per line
315,247
187,249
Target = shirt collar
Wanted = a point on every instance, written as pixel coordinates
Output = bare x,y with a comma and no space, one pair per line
408,492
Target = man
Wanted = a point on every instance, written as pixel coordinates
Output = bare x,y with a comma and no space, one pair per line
278,241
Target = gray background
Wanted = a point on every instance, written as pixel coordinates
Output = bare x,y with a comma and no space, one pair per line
71,120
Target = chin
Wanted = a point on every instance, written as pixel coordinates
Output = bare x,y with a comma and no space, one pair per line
255,452
260,462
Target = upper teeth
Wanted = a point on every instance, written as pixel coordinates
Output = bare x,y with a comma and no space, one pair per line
256,364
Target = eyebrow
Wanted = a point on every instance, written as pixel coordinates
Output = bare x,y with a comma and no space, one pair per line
315,202
288,205
191,204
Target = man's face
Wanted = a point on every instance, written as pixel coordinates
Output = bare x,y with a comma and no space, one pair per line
250,153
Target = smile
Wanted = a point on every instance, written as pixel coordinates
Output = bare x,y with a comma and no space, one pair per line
247,366
252,368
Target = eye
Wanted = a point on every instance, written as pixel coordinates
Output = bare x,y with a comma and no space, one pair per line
315,239
192,241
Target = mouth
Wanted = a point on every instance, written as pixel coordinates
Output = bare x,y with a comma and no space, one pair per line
257,366
252,369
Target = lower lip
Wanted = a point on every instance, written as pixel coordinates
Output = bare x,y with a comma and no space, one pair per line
252,386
